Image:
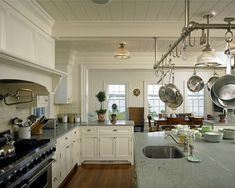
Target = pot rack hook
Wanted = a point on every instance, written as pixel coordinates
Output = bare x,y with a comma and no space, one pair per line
228,34
191,44
203,37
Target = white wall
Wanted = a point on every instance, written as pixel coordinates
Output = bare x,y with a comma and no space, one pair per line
136,79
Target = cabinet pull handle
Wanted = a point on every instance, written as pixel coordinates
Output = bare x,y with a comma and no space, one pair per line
88,130
74,141
67,146
114,130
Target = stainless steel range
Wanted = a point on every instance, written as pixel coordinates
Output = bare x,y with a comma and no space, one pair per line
29,166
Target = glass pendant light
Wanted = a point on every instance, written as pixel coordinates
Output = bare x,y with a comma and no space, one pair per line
208,56
122,52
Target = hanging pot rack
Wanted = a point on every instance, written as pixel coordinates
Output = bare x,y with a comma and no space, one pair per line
189,28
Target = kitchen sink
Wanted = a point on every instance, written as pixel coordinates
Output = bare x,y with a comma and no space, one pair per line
162,152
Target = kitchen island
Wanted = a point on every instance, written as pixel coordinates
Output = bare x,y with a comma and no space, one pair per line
216,125
216,169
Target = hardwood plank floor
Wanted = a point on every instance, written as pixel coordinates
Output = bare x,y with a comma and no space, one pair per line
101,176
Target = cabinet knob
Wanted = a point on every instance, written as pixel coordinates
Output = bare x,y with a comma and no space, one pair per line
75,132
115,130
88,130
67,146
66,138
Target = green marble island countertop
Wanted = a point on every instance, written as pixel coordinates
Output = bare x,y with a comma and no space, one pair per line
216,169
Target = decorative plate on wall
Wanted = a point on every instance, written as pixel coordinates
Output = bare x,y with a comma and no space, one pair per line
136,92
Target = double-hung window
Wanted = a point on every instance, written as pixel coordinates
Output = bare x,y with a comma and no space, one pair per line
117,95
154,103
195,102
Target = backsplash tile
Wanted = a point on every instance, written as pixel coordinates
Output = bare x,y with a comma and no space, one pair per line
7,112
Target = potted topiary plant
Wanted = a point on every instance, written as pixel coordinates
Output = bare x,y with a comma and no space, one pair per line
101,112
114,115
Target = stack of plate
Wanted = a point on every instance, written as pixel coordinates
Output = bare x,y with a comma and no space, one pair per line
213,136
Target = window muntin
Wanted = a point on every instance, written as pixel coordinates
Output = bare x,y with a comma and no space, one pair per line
155,105
195,102
117,95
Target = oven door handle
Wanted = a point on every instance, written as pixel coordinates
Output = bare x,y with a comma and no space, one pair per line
49,162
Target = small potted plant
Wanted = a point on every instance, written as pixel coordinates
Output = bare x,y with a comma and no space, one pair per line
114,115
101,112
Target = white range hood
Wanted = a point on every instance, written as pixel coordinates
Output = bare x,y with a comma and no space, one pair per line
16,72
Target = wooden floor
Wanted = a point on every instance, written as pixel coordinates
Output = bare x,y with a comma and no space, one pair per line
101,176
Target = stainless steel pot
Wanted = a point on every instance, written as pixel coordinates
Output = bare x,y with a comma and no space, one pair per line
171,92
224,87
178,101
212,80
195,83
162,94
214,98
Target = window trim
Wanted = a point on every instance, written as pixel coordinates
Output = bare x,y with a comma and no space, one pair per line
106,83
146,83
186,99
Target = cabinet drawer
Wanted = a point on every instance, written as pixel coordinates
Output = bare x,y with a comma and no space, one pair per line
89,130
116,130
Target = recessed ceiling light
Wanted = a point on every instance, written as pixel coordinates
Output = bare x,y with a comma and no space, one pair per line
101,1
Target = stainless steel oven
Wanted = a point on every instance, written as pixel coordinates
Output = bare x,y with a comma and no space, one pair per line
31,165
38,178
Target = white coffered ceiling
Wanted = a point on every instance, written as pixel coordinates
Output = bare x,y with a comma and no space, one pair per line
167,15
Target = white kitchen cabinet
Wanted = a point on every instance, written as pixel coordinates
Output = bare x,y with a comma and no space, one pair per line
55,168
107,143
89,146
107,147
123,147
115,143
66,156
63,94
75,147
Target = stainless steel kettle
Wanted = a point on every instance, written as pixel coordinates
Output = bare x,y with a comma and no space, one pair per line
8,149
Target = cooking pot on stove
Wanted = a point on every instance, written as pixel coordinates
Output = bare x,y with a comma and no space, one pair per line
8,149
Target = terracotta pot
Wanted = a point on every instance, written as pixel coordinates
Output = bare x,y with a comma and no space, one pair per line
101,117
113,118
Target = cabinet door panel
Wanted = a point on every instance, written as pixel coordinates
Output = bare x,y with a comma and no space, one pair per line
107,148
123,147
89,147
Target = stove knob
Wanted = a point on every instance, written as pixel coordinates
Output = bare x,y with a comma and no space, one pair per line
43,156
18,173
30,165
49,151
24,169
3,184
36,161
11,178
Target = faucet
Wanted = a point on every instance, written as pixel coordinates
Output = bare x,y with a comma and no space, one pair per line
187,143
173,137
